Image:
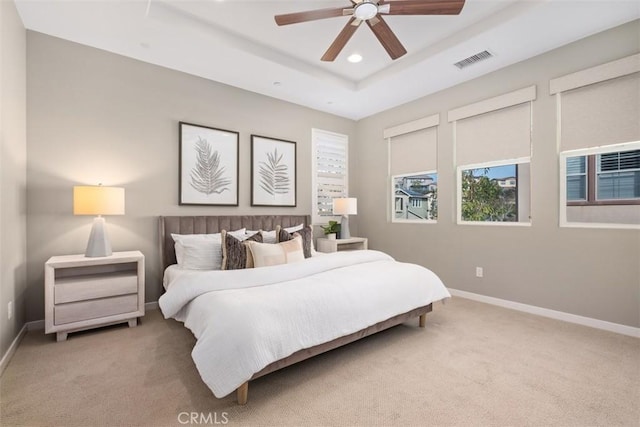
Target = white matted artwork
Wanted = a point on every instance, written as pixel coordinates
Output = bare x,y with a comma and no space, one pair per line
208,166
273,172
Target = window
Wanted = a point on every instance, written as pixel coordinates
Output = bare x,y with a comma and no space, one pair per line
413,162
492,152
577,178
601,186
494,192
330,164
415,196
599,145
618,175
614,176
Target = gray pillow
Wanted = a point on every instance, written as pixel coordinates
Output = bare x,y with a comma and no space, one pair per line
307,238
234,251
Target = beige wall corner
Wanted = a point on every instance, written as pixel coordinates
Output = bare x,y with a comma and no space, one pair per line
13,174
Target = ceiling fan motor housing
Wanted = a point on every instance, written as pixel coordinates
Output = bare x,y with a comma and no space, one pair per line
366,10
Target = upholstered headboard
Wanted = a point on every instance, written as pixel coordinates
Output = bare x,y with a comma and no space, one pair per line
215,224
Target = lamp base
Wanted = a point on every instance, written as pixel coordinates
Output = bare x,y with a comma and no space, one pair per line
344,227
98,245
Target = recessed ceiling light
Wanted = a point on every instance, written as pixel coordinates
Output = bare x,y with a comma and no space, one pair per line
355,58
277,84
330,102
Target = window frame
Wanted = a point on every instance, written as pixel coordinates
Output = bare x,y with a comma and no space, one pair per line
563,203
393,200
495,163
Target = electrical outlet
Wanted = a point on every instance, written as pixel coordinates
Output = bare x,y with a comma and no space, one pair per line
479,272
10,310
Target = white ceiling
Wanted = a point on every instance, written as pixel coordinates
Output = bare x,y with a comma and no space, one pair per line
238,43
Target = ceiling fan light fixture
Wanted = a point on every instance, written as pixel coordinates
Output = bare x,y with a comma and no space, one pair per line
365,10
354,58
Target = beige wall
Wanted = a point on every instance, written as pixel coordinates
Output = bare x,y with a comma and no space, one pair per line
98,117
587,272
13,172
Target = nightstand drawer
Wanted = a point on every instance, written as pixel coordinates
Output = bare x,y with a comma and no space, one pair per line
85,310
82,288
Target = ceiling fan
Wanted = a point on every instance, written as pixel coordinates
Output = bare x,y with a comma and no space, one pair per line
371,11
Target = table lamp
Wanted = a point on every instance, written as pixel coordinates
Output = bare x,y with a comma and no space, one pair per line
345,206
98,200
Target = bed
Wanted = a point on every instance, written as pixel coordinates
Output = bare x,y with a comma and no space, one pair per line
300,310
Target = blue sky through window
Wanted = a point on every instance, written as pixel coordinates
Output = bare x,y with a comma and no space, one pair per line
496,172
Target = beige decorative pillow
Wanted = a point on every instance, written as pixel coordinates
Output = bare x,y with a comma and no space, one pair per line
266,254
307,238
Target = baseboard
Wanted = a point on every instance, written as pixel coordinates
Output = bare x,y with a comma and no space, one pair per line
38,325
553,314
6,358
35,325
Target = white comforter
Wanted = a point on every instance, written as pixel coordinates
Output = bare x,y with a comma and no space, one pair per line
246,319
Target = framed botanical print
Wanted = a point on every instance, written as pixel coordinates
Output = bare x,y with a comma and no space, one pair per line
273,172
208,166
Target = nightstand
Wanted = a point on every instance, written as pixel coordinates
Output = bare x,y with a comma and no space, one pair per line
334,245
83,293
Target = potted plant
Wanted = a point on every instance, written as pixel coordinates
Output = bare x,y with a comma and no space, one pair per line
331,230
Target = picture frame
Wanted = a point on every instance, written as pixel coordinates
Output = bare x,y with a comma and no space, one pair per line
208,170
273,172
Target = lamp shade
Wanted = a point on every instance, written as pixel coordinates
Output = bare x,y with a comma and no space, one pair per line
345,206
98,200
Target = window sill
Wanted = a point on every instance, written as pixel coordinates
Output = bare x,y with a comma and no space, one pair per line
605,203
495,223
413,221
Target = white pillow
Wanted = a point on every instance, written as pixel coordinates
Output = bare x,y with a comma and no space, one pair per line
294,228
266,254
201,251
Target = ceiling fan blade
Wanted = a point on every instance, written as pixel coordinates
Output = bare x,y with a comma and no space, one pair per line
310,15
386,37
338,44
423,7
347,12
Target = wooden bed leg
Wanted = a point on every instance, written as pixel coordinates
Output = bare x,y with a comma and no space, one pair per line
243,393
423,320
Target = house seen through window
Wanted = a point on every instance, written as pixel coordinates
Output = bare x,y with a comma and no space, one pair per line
613,176
416,196
601,186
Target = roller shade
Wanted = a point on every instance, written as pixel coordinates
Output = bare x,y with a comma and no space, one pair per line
414,152
496,135
599,114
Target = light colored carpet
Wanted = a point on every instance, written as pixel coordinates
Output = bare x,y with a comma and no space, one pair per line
474,364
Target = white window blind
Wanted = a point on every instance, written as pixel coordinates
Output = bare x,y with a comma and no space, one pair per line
497,135
330,164
601,114
414,152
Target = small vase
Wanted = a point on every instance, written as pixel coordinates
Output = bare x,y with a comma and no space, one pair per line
331,236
